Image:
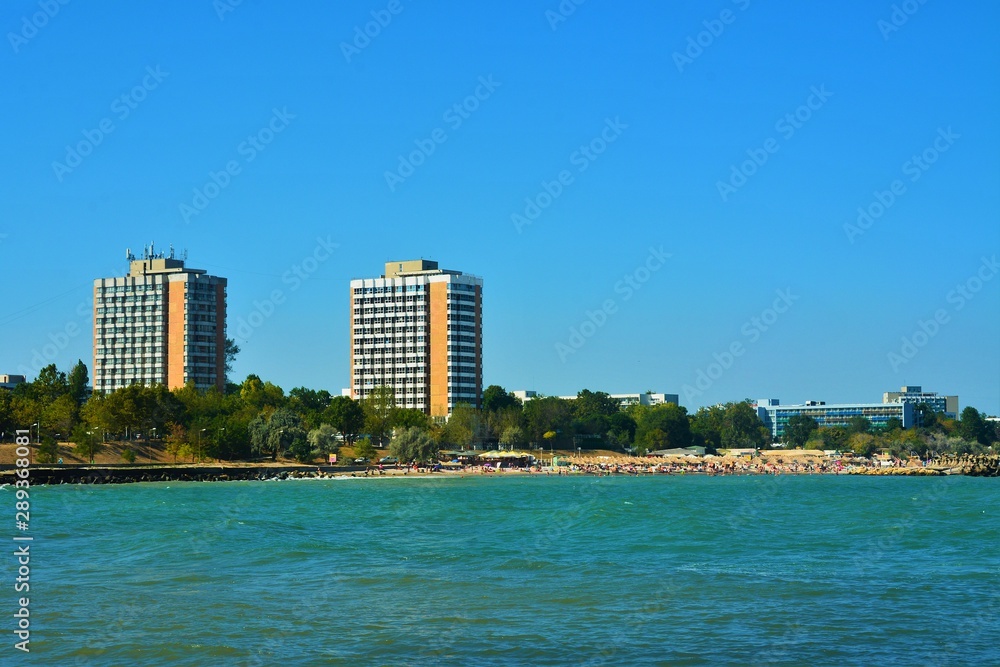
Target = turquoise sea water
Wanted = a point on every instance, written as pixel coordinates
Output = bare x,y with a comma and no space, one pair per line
678,570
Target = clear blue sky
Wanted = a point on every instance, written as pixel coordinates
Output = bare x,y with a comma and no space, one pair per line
885,93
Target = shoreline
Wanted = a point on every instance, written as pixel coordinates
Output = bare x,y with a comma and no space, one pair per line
130,474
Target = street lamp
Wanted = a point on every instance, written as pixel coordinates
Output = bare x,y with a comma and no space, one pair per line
38,433
149,447
200,436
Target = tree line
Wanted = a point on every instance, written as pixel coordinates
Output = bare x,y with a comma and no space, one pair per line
256,419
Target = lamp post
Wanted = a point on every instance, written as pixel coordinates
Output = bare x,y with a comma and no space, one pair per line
149,447
90,436
200,436
38,433
218,442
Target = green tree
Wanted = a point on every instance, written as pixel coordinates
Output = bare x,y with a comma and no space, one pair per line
513,437
410,418
86,444
926,417
128,455
893,424
589,403
346,415
621,431
465,427
973,428
414,444
176,438
741,427
859,424
309,403
323,438
61,414
259,432
799,429
50,384
707,425
661,427
378,407
862,444
231,352
301,449
546,414
365,449
284,429
48,450
496,398
831,437
77,381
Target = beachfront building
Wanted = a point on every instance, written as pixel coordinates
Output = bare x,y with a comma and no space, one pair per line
163,323
915,395
625,400
419,330
775,416
10,381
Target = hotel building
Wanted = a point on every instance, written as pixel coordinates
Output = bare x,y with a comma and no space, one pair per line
419,330
625,400
775,416
162,323
915,395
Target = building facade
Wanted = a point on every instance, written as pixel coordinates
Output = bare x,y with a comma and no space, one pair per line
775,416
163,323
418,329
11,381
915,395
625,400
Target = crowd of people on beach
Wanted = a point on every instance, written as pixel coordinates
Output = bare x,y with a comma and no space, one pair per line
768,463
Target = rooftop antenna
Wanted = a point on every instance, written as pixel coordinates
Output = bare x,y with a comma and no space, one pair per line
171,251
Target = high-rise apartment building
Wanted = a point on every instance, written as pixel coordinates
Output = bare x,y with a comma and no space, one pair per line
419,330
162,323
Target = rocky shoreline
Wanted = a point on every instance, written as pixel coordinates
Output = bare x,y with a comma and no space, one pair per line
969,465
127,474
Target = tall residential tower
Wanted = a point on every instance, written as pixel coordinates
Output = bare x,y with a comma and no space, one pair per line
419,330
160,324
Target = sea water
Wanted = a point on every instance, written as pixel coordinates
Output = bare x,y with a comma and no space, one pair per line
516,570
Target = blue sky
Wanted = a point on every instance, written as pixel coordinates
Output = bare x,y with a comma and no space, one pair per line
739,138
